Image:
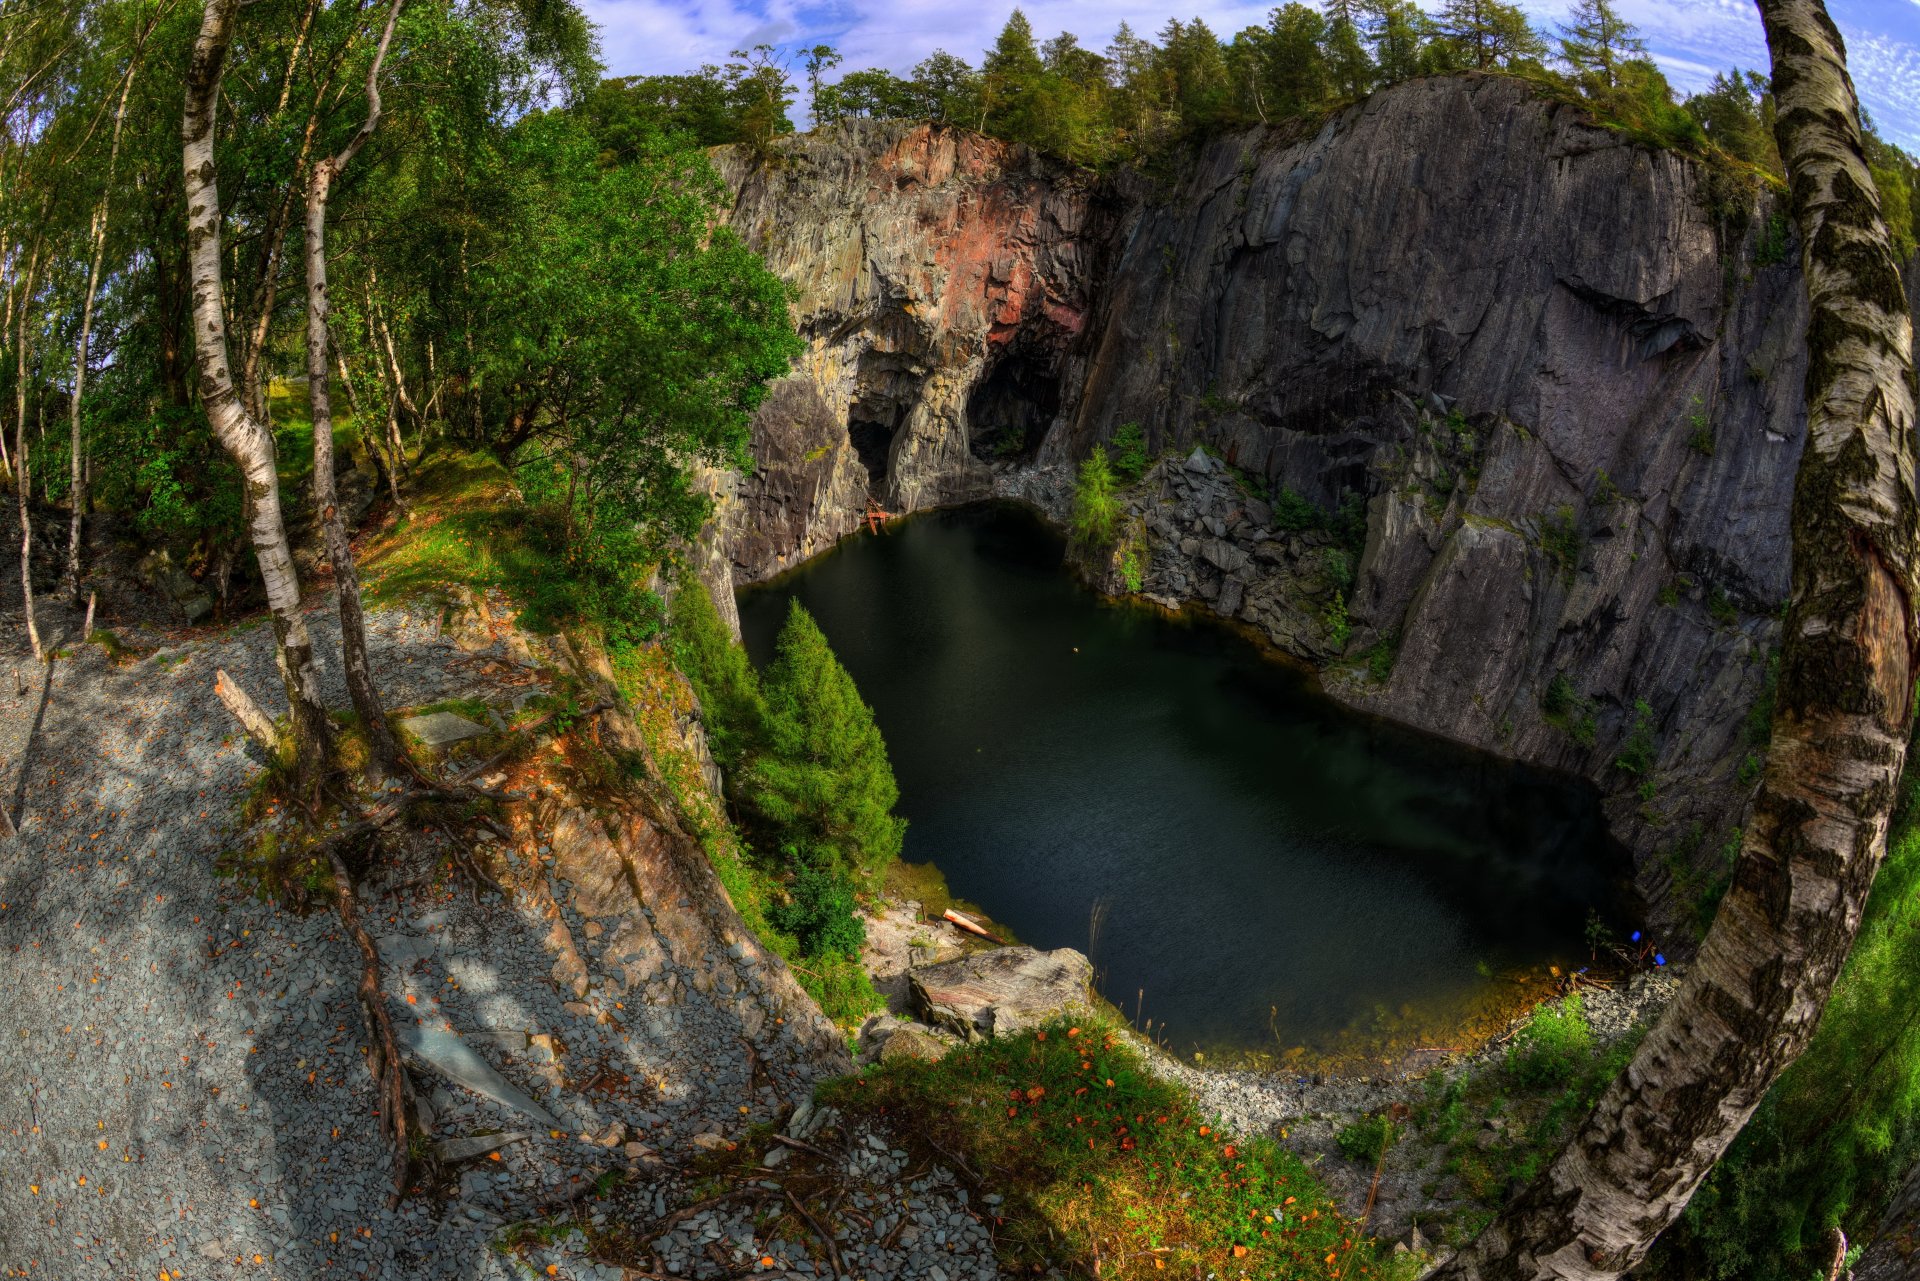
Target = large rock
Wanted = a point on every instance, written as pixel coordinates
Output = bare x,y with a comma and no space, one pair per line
1005,990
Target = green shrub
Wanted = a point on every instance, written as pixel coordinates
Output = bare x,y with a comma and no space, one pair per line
1294,514
820,914
1130,452
1366,1140
1638,753
1700,429
1096,505
1380,656
1334,616
1554,1047
1560,540
1560,697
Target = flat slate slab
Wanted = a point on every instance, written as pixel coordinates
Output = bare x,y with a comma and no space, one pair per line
1008,989
439,729
454,1059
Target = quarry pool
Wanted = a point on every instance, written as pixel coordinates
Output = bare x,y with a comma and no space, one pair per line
1275,873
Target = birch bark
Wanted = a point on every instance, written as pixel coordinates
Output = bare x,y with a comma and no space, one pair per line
1818,826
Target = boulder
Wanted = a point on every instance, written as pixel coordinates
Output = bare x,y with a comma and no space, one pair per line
1001,991
910,1043
442,729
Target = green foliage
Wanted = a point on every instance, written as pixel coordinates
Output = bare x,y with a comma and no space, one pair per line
1130,457
1366,1139
822,787
820,914
1700,429
1560,697
1095,1152
1334,618
1639,751
1096,501
1773,241
1554,1047
1560,539
734,711
1380,656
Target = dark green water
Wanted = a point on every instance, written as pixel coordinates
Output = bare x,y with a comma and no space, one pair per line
1275,867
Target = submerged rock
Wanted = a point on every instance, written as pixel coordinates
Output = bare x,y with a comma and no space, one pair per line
1002,991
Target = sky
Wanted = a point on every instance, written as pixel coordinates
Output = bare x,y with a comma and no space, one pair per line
1691,39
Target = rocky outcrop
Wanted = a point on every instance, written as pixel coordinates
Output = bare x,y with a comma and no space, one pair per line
1000,991
1546,365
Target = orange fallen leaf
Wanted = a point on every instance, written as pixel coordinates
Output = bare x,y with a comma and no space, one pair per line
766,1260
1240,1252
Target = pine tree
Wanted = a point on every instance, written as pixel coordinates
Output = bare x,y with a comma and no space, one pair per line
1397,29
1490,34
1598,40
1297,79
1348,66
1010,81
823,790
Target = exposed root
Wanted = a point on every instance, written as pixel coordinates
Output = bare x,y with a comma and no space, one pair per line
389,1077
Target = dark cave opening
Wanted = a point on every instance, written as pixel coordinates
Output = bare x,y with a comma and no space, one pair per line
870,428
1009,411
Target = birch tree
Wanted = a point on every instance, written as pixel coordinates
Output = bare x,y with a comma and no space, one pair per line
97,240
1818,827
383,751
240,433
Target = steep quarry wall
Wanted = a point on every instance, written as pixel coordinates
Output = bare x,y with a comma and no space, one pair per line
1566,392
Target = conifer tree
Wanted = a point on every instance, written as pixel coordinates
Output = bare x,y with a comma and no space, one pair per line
1348,66
823,788
1297,79
1489,34
1597,40
1396,29
1010,82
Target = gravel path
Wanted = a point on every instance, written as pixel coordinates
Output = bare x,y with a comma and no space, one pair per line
183,1092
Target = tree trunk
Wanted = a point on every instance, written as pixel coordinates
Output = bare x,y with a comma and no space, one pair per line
22,481
238,431
383,752
78,493
1819,822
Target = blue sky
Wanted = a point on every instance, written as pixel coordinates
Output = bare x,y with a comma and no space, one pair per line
1691,38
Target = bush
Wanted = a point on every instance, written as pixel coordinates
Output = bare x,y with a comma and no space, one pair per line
1638,753
1130,453
1366,1140
1096,506
1560,697
1339,630
820,914
1554,1047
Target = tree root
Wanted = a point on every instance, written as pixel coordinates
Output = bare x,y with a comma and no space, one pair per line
389,1077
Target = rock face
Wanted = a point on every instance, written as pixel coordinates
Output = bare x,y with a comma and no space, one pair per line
1557,391
1001,991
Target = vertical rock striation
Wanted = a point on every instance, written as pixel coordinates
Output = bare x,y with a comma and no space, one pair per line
1554,368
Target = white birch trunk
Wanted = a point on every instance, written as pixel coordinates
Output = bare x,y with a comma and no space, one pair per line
1818,826
243,437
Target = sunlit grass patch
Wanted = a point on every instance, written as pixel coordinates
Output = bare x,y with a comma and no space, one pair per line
1108,1167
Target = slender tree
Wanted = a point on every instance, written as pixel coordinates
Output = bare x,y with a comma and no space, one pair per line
1597,40
239,432
22,479
1818,826
98,240
383,752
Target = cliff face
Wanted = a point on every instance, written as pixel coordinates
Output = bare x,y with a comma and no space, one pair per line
1570,404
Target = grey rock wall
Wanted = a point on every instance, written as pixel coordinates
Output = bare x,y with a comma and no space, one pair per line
1567,395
